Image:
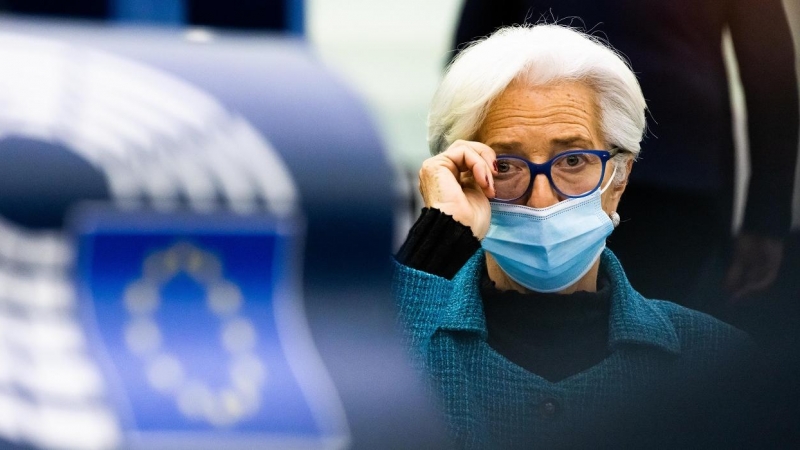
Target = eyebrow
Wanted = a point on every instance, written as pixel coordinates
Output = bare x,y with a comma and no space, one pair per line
572,141
511,147
516,147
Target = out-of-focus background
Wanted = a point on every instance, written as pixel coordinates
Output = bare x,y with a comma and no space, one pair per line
198,200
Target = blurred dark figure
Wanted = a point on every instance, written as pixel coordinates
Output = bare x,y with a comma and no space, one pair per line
242,14
682,188
252,14
87,9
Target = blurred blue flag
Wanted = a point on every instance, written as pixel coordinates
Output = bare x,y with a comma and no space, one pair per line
202,332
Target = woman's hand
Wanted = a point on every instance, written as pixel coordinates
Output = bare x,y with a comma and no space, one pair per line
459,182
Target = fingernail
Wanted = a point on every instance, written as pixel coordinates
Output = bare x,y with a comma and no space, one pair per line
494,164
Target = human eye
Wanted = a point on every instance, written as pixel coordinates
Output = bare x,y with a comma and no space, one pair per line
510,167
572,161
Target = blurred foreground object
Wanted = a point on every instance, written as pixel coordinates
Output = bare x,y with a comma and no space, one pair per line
273,15
214,349
232,273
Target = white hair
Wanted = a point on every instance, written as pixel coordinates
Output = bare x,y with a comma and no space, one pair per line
538,55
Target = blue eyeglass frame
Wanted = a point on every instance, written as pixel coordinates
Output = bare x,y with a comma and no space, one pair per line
545,168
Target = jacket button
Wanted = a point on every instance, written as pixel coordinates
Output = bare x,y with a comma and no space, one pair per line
549,408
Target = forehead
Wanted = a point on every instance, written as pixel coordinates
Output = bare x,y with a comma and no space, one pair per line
525,119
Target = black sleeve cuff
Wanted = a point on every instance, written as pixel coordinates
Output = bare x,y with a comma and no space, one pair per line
438,244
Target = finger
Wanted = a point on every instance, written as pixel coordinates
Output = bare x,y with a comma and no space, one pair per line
476,158
733,278
754,268
761,278
469,180
484,151
443,177
470,156
744,291
740,282
470,184
487,153
754,278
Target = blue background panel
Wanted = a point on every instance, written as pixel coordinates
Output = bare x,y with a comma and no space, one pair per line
254,261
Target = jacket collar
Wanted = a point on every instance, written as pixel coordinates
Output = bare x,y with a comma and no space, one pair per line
632,319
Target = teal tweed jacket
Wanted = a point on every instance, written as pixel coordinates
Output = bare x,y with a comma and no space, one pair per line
662,354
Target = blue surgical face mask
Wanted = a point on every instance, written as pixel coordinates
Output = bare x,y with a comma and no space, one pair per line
548,249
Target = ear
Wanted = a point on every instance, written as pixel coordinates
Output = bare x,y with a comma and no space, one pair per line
612,196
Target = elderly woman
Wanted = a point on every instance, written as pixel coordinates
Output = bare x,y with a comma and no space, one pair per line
523,320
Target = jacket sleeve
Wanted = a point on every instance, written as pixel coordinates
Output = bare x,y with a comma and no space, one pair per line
437,247
421,299
766,59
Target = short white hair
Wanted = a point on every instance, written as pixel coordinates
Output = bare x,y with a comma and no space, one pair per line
537,55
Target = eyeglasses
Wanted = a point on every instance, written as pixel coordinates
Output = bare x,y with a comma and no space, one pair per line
576,173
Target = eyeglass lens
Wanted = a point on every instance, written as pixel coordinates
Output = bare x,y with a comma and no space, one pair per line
573,174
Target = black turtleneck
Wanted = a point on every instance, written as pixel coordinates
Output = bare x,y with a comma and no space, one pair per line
552,335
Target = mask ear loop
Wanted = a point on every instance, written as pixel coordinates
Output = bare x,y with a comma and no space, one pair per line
614,172
613,216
